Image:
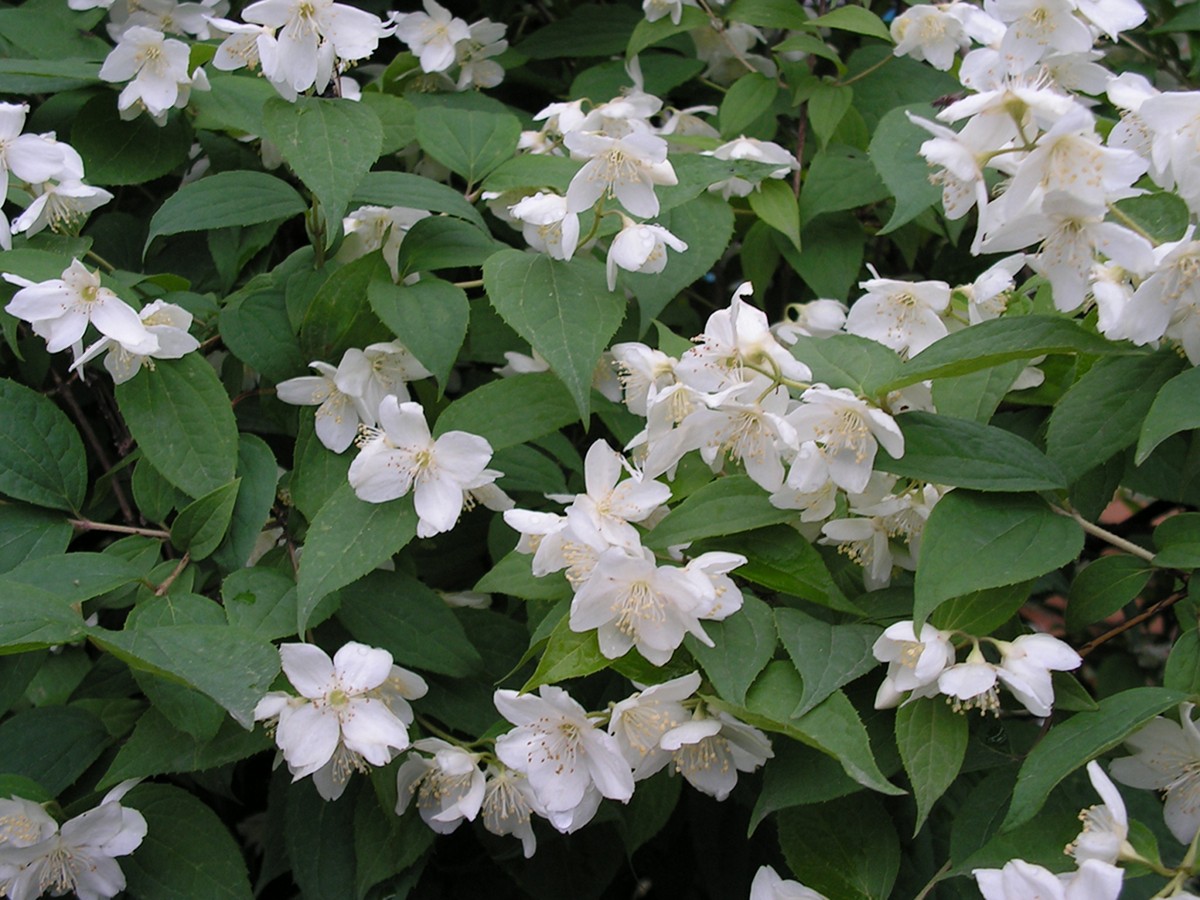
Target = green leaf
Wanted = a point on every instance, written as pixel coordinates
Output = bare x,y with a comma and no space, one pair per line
779,558
839,178
827,106
705,224
1182,672
775,204
255,328
845,848
234,102
468,142
1161,216
41,455
1001,340
156,747
848,361
1103,587
743,644
329,143
826,656
115,151
187,854
647,34
590,30
51,745
429,317
30,533
180,416
749,97
396,115
1174,410
894,153
339,316
317,471
230,666
966,454
31,618
857,19
260,601
444,242
398,613
526,171
833,253
416,192
385,844
982,612
976,395
564,310
1008,538
259,474
320,840
45,76
154,495
768,13
1178,541
568,654
201,525
932,739
346,540
225,199
1112,398
511,411
512,575
73,577
724,506
1081,738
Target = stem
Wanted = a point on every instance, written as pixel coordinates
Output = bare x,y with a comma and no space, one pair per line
713,21
1141,617
867,71
89,525
933,881
1129,223
100,261
1105,535
170,579
466,285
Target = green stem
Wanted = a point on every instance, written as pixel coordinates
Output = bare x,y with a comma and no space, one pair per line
1105,535
867,71
1129,223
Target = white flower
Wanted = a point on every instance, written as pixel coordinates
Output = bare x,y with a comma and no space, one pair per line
311,34
370,374
710,751
1166,757
559,750
32,158
432,35
640,721
1019,880
402,456
508,806
640,248
241,49
343,716
610,505
865,541
448,788
476,68
1105,827
1024,669
903,315
849,431
768,885
816,318
61,308
167,322
625,167
61,206
547,225
337,417
743,147
79,857
912,662
373,227
158,67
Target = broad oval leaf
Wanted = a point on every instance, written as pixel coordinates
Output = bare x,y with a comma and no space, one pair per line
116,151
1174,410
932,739
469,142
847,361
1103,587
724,506
429,317
225,199
201,524
511,411
743,644
41,455
826,656
415,192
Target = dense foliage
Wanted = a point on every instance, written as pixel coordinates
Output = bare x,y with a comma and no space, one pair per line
580,450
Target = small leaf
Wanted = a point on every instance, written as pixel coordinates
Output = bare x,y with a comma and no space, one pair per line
444,242
827,106
181,418
857,19
647,34
511,411
225,199
725,506
31,619
415,192
826,656
1008,538
201,525
775,204
346,540
747,98
429,317
848,361
1161,216
568,654
779,558
742,646
30,533
932,739
339,316
41,456
1174,410
894,152
1081,738
1103,587
1183,665
259,474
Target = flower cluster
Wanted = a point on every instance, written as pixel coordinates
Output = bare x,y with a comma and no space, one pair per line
49,172
441,41
37,856
924,666
156,68
61,309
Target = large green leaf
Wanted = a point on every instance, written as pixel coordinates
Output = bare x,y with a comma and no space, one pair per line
187,853
72,577
182,420
564,310
747,98
320,840
398,613
230,666
845,848
723,506
932,739
779,558
966,454
444,242
840,178
468,142
255,328
41,455
32,618
346,540
429,317
1007,537
826,656
258,473
116,151
568,654
1103,587
894,153
27,532
1103,411
339,316
743,644
511,411
330,143
415,192
51,745
1081,738
1174,409
848,361
225,199
1000,340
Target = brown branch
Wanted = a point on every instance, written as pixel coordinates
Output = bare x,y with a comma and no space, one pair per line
89,525
1141,617
170,579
